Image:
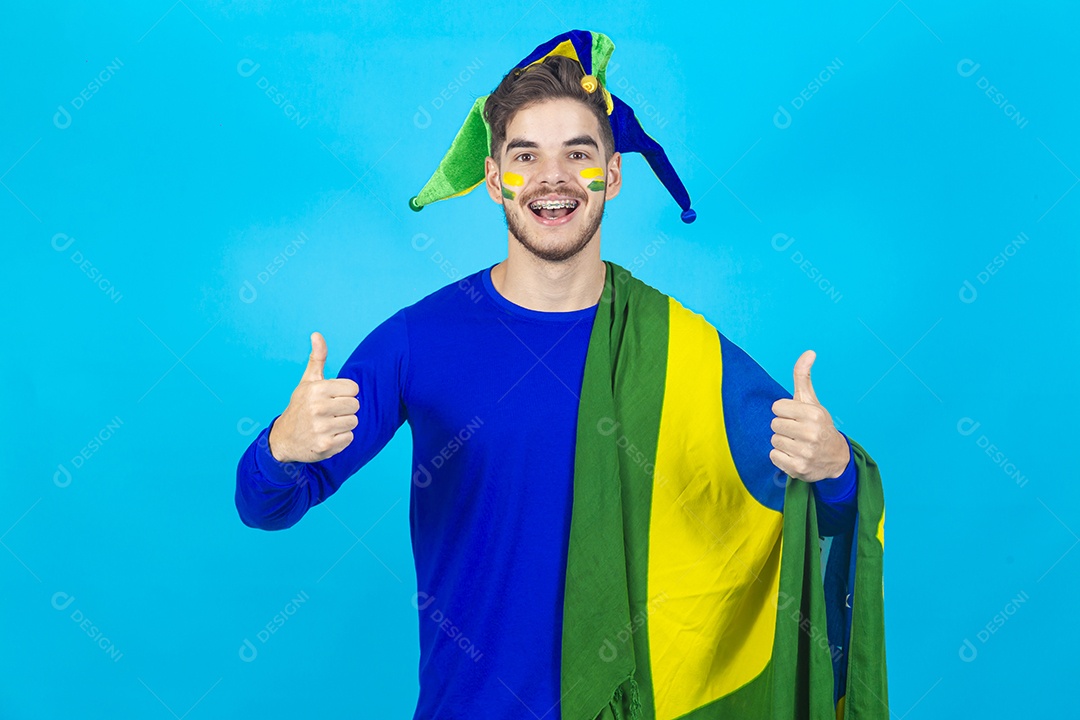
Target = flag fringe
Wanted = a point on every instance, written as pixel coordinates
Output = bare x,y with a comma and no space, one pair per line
617,707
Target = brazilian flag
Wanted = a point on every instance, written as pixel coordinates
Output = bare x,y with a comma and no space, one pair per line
697,586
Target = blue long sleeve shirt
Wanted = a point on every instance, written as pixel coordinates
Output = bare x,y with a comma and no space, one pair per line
490,391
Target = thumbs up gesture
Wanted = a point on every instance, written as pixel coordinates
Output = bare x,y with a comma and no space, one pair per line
321,415
806,445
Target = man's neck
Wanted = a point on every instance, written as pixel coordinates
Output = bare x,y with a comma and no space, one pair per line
535,284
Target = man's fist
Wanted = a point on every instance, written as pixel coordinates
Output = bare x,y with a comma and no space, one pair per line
806,444
321,415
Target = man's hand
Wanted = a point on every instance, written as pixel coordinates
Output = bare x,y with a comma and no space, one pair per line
806,445
321,414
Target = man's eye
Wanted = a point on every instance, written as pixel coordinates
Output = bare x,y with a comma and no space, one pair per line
578,152
523,155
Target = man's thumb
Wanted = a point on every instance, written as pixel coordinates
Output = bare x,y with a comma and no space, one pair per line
804,389
317,358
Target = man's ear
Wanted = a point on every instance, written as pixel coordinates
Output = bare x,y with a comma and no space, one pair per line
614,176
491,179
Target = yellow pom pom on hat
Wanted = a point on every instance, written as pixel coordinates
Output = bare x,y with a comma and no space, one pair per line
462,168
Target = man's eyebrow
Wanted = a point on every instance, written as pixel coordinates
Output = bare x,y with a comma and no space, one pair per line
579,140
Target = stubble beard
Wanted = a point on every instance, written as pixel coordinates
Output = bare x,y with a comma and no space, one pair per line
522,234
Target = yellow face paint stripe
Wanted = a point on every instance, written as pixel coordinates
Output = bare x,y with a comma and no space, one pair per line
512,178
592,173
715,631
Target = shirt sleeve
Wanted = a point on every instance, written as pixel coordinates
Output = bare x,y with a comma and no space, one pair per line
271,495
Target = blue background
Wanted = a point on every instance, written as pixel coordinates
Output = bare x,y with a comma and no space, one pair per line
177,234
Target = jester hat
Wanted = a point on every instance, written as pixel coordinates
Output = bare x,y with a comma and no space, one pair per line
462,168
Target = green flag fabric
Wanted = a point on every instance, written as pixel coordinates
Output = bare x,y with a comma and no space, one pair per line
697,586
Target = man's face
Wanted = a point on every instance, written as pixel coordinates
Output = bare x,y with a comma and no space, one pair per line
553,155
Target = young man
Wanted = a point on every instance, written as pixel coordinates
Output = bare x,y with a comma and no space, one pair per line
488,372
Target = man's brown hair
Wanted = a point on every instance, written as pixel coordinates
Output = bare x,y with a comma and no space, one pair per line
554,77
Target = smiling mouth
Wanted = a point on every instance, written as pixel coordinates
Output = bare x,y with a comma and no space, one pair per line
554,212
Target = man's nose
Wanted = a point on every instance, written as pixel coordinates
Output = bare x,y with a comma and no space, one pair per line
554,170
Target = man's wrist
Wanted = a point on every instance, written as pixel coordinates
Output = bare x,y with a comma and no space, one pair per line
847,457
271,444
275,472
841,487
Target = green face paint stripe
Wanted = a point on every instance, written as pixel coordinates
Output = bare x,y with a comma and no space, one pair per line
597,185
508,193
